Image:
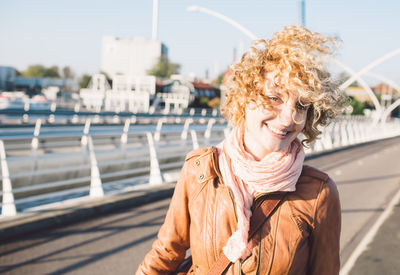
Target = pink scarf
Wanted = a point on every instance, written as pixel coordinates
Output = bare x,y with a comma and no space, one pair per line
245,176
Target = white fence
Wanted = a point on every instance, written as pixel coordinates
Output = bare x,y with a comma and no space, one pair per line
40,170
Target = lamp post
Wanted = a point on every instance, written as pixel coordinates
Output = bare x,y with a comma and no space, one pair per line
154,32
303,13
228,20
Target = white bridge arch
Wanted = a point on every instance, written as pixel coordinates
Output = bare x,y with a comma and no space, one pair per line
381,114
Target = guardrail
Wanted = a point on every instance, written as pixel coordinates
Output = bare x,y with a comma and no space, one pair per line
40,170
49,168
76,115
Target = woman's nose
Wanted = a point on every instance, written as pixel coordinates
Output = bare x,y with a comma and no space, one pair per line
286,115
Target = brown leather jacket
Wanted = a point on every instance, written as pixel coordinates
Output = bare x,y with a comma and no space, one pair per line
300,237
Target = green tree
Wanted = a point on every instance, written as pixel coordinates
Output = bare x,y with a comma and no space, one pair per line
41,71
52,72
84,81
34,71
358,107
164,68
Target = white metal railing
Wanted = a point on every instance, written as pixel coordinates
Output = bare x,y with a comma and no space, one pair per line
51,168
54,168
76,114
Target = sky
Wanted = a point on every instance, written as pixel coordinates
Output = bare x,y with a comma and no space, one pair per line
69,32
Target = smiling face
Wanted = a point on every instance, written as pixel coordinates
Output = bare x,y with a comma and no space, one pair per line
274,130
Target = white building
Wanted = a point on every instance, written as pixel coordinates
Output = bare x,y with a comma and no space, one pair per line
130,94
130,57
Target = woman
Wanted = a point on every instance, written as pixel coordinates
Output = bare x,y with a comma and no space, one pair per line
279,89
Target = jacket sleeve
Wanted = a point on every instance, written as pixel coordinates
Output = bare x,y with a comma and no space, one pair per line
169,250
325,237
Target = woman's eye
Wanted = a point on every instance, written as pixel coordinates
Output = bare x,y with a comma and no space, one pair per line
301,107
274,98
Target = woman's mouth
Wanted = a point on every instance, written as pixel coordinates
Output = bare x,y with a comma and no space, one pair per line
276,131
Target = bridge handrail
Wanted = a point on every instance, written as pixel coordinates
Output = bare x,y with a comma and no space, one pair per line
165,159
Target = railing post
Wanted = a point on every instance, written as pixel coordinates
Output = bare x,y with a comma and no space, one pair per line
326,138
8,205
351,131
84,140
133,119
344,138
96,187
214,112
336,134
186,128
357,131
194,139
167,107
155,172
75,117
124,136
53,108
116,119
25,118
152,110
27,106
158,128
318,146
36,132
207,134
203,112
192,111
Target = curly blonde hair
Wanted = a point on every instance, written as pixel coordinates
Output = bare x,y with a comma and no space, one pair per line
295,55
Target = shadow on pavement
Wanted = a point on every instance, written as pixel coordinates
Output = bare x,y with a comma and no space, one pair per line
47,237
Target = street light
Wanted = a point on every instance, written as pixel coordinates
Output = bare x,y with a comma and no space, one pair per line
224,18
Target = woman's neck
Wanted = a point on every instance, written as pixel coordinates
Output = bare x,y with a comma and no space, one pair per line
251,146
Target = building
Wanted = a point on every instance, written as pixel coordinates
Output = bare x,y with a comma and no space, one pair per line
358,93
130,57
10,82
38,83
7,78
176,93
127,94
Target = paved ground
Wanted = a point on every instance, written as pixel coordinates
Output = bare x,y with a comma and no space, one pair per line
383,254
367,178
110,244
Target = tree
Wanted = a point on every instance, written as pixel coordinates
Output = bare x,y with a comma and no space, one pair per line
84,81
219,79
342,78
34,71
41,71
67,73
358,106
52,72
164,68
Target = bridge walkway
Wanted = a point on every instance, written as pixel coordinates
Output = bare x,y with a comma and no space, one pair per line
367,177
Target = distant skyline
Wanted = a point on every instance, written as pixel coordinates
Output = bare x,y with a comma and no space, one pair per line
69,32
